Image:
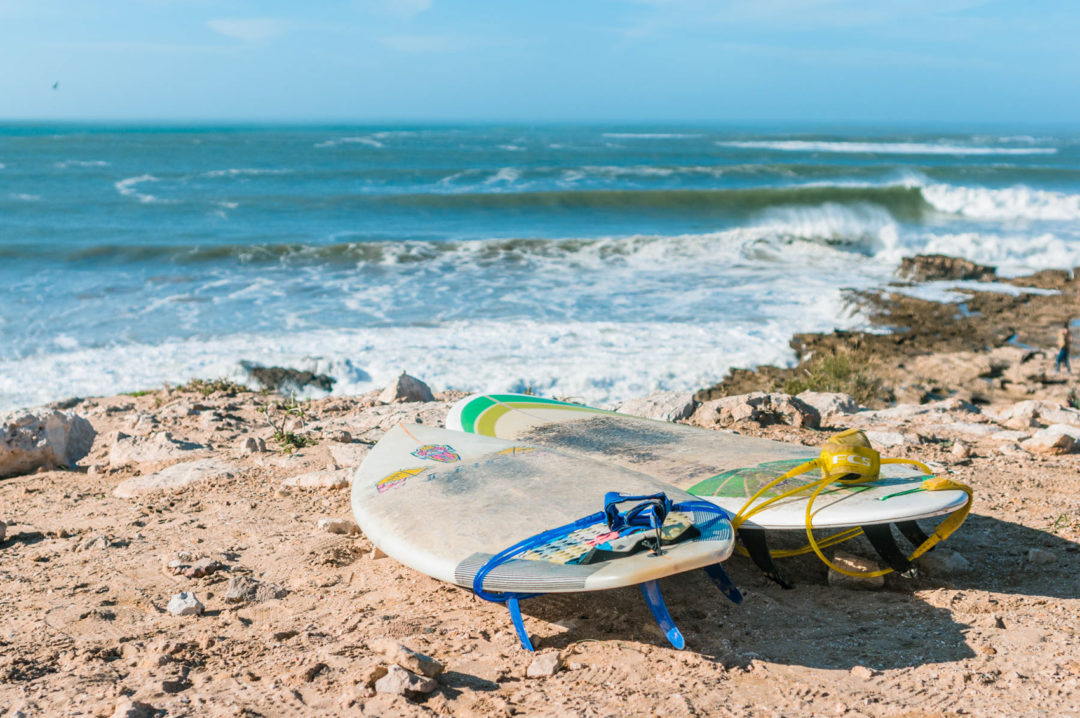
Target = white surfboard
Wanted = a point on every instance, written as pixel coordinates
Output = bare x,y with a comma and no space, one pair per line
721,466
445,502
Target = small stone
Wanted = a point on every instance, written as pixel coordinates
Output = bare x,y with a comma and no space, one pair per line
100,541
858,564
960,450
310,673
242,589
1055,439
344,527
406,388
128,708
886,439
862,672
202,567
943,562
544,665
377,553
341,437
185,604
662,406
370,674
284,635
406,657
3,530
1041,557
400,682
252,445
174,684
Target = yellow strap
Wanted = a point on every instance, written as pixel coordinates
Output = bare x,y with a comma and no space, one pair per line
826,464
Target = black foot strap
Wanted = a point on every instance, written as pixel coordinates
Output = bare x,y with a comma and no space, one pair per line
881,538
913,533
753,540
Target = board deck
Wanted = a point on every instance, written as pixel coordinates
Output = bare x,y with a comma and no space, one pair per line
444,502
721,466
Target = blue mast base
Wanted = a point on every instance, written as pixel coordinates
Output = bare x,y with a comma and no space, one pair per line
653,597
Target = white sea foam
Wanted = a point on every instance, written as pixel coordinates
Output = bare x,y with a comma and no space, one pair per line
512,148
1013,255
955,291
246,172
1003,204
892,148
127,187
80,163
369,141
506,175
24,197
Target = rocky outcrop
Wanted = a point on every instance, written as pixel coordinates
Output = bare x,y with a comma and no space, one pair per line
45,439
661,405
758,407
1036,414
158,447
406,388
830,405
285,380
928,267
174,478
1055,439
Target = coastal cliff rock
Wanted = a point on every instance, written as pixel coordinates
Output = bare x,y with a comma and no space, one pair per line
758,407
406,389
29,441
830,405
661,405
928,267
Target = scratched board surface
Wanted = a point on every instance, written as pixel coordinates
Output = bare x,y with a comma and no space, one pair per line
443,502
724,467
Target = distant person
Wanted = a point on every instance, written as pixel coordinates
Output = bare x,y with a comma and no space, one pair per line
1063,349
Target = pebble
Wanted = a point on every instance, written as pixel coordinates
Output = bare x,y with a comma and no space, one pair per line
942,562
252,445
544,665
400,682
185,604
369,675
202,567
863,672
960,450
406,657
3,530
341,437
101,541
1041,557
855,563
344,527
128,708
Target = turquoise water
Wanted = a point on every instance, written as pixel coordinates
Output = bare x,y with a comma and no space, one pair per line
596,262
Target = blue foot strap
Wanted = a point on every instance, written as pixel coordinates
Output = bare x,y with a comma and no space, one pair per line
655,599
519,625
723,582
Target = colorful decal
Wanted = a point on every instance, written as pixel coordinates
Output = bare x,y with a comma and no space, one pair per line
396,479
437,452
744,482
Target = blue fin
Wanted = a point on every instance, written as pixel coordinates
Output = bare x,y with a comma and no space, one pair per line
723,582
653,597
519,625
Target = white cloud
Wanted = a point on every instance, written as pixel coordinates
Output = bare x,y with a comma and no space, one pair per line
248,29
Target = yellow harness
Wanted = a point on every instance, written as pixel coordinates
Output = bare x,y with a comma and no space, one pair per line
848,459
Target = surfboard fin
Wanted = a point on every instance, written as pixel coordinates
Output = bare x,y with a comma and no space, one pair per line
653,597
723,582
881,538
753,540
519,625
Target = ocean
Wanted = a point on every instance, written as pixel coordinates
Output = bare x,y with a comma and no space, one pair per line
590,262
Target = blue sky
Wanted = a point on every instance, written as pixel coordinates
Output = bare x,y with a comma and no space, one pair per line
836,61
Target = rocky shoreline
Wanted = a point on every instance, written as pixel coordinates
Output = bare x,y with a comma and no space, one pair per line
190,551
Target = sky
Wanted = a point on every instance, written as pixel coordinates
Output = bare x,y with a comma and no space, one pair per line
832,61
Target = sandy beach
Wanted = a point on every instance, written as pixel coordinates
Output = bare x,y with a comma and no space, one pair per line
93,555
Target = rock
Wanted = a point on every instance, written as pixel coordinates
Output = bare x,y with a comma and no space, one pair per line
1041,557
661,405
851,562
760,407
863,672
3,530
146,449
341,437
544,665
48,439
344,527
370,674
202,567
1009,435
1055,439
128,708
929,267
349,455
98,541
960,450
400,682
406,657
174,478
406,389
244,589
885,439
325,479
943,562
829,404
252,445
185,604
